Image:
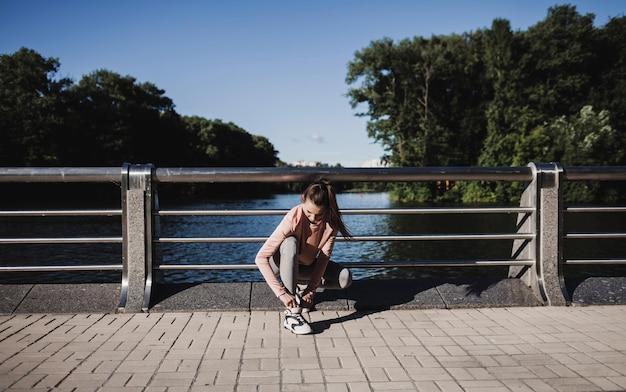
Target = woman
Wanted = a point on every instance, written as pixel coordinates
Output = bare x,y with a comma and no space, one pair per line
299,250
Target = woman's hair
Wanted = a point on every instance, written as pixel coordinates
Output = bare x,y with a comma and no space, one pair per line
322,193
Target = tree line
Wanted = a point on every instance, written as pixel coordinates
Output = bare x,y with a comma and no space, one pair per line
490,97
498,97
106,119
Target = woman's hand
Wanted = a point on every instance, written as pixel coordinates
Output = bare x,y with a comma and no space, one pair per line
288,300
307,299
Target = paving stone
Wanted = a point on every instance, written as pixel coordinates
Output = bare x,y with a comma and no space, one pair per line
560,349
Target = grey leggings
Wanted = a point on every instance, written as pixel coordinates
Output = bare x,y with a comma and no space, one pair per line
285,263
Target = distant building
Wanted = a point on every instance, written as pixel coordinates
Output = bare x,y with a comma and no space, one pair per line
303,163
374,162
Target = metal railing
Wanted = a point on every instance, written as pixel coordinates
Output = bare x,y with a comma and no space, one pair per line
395,238
536,257
595,235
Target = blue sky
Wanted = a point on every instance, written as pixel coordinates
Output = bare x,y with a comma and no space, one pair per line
274,68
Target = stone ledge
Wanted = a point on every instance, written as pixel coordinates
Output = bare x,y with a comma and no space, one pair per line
362,295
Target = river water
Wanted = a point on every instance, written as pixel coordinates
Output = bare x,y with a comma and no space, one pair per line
262,226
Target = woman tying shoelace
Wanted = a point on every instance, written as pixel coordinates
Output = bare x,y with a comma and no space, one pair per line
299,252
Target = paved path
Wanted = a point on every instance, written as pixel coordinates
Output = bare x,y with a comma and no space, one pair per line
487,349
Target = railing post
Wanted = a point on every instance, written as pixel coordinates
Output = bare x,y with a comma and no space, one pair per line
551,232
528,249
544,193
136,235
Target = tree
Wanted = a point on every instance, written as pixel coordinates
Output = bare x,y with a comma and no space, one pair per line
508,117
583,139
225,144
557,61
374,68
32,109
119,120
264,153
487,98
537,75
609,74
587,139
423,97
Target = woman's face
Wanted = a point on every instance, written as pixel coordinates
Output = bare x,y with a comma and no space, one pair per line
313,212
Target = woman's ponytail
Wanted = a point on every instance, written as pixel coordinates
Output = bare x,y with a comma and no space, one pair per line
322,193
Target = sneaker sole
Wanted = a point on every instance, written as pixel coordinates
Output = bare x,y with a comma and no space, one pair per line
295,332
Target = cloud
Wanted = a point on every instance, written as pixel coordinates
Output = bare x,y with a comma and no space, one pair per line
317,138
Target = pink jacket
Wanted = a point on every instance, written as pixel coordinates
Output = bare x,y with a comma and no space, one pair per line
315,242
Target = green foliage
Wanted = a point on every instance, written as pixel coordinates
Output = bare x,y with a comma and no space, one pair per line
120,120
225,144
414,90
584,139
492,97
106,119
32,109
419,93
497,97
609,72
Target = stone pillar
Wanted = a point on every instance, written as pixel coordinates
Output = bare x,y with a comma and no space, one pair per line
544,193
527,249
136,235
551,232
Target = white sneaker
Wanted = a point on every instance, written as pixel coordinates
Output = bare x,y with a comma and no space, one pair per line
296,323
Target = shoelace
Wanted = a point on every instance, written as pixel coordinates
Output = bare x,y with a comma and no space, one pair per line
298,300
298,317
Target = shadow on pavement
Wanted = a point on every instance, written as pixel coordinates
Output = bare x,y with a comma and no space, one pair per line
367,297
